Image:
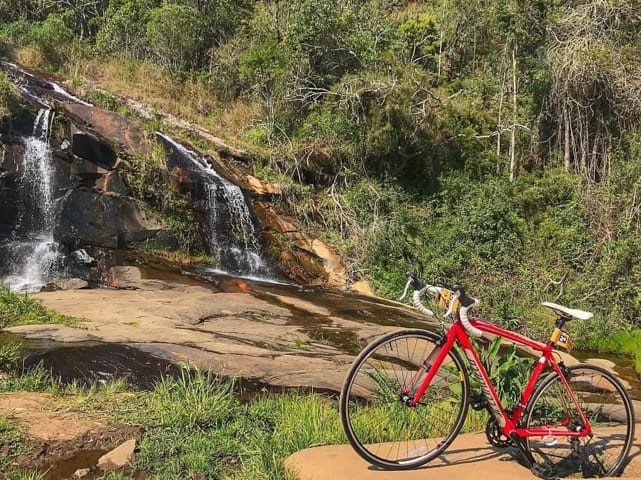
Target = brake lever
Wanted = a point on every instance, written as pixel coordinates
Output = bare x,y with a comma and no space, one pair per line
406,289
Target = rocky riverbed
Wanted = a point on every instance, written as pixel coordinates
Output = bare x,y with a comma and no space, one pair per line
275,334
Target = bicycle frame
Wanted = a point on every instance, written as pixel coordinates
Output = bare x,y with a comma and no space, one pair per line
509,423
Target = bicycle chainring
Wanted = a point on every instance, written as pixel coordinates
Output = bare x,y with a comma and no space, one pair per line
495,436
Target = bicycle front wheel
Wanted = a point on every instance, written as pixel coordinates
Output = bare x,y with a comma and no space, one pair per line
379,423
607,407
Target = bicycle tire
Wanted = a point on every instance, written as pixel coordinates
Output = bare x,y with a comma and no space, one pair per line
382,428
608,408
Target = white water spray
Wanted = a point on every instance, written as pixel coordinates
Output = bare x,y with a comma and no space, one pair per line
34,251
232,233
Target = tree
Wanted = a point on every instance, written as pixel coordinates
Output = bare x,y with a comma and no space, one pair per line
123,29
86,14
13,10
595,90
175,35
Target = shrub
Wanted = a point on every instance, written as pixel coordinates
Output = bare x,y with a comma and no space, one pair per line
53,38
8,98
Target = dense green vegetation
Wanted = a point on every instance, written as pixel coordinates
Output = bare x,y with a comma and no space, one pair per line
495,144
194,425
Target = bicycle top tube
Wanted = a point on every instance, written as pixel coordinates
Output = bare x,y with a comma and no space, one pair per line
507,334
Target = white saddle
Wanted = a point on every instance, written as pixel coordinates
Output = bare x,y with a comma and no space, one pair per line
568,312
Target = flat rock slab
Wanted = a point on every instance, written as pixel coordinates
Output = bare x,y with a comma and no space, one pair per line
468,458
285,337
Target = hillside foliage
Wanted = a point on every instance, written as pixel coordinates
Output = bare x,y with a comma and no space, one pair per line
494,144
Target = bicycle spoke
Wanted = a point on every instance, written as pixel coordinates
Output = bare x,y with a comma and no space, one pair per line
381,425
608,410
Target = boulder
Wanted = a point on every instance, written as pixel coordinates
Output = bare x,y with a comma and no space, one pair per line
260,188
81,473
111,182
102,220
124,277
85,169
109,125
66,284
303,258
118,457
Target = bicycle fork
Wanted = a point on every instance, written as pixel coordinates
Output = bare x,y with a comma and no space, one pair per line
429,367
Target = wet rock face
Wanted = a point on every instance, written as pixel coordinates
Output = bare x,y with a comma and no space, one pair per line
10,154
305,259
94,208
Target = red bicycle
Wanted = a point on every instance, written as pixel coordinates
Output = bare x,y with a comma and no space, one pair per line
407,395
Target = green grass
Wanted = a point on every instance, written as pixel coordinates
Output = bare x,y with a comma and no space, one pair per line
9,354
30,380
12,441
194,425
23,309
627,342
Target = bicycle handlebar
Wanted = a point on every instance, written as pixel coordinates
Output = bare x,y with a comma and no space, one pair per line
458,293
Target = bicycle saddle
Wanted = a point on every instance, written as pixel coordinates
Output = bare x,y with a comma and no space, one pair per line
568,313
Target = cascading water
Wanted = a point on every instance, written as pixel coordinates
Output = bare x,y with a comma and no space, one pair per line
232,235
32,249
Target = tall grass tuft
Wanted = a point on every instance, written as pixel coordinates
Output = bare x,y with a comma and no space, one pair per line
35,379
282,425
195,426
23,309
196,399
9,355
191,427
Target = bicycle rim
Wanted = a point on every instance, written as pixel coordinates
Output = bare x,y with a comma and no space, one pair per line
608,409
381,427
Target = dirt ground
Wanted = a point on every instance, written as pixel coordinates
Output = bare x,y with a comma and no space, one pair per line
60,442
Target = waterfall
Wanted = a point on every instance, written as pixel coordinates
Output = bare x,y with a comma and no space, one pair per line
232,235
33,251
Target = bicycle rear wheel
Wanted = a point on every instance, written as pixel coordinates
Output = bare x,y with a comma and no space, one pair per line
606,406
380,425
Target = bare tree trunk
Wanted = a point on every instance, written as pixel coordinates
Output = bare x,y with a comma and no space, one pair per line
499,125
514,119
440,53
566,135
